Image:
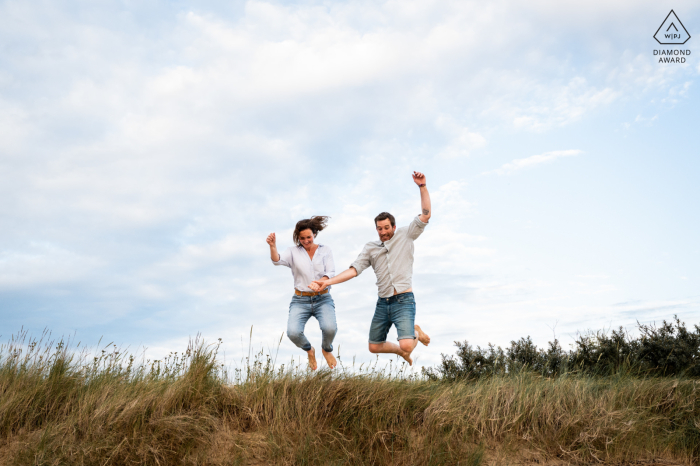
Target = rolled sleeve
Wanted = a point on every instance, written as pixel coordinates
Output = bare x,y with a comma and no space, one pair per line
285,258
362,261
415,228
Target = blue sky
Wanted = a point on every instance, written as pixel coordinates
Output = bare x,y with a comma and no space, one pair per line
148,148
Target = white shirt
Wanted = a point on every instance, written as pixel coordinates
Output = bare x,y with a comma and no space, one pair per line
304,269
392,260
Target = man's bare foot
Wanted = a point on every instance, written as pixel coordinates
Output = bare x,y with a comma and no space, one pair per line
407,357
330,359
422,336
312,359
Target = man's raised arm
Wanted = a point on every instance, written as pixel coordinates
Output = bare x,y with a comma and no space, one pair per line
425,211
356,268
320,285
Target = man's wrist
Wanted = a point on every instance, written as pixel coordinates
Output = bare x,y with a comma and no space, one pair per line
422,185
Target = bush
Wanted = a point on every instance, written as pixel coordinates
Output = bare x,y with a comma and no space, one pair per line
668,350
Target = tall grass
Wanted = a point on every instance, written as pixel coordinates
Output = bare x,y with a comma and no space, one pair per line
59,405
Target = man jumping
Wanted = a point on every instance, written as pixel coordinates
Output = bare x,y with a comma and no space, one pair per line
392,260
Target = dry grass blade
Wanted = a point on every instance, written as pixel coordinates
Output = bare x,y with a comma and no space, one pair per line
62,406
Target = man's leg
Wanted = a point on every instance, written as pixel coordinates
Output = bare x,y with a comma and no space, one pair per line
388,347
299,314
381,323
324,311
403,317
422,336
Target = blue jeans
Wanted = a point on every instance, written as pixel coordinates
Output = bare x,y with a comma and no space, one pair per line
399,310
301,309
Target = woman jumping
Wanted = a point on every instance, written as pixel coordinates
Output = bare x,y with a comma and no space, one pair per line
309,261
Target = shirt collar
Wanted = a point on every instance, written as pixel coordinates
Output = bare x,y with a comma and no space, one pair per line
389,242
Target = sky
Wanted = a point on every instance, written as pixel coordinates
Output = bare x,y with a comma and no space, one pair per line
147,148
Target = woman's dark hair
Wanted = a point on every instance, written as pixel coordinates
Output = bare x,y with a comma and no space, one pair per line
315,224
385,216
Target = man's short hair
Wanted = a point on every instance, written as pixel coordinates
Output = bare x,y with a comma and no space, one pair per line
384,216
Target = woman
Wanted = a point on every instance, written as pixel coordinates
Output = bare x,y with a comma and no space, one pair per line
309,261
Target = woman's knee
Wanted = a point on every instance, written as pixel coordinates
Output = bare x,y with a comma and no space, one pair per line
329,331
294,334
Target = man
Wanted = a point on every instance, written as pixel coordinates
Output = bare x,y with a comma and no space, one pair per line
392,260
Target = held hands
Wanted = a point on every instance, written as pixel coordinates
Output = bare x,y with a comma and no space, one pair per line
318,285
418,178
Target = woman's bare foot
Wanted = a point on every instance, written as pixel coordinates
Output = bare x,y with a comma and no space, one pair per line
330,359
312,359
422,336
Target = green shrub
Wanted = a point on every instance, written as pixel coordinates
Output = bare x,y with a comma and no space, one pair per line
667,350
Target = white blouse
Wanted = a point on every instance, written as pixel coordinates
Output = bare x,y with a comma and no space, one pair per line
304,269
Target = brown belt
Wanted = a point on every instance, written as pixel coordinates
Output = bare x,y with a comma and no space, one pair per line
310,293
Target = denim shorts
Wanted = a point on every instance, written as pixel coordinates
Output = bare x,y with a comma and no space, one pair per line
399,310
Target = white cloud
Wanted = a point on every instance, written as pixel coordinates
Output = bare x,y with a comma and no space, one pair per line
519,164
44,264
461,141
145,154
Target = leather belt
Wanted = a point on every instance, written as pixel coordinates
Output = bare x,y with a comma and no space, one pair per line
310,293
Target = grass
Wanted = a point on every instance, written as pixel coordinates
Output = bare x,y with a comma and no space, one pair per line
60,405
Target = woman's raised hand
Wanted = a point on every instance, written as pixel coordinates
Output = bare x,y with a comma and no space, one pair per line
272,241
